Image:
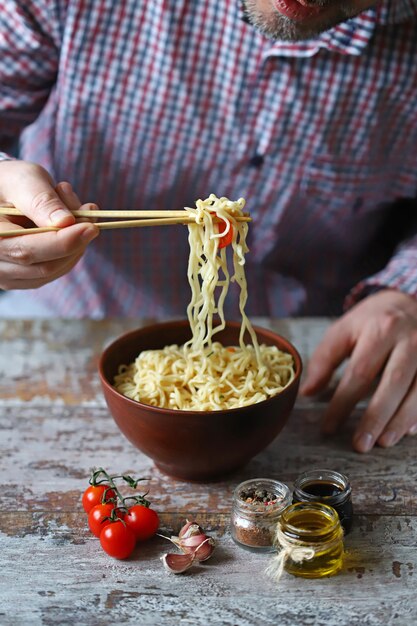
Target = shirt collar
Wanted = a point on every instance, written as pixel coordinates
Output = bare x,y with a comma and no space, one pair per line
350,37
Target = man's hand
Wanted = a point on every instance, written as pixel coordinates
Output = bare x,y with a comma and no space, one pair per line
32,260
380,336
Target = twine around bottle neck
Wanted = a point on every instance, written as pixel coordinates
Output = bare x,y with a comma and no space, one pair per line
295,550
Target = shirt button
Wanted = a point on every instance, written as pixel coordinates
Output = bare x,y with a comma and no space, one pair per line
358,205
257,160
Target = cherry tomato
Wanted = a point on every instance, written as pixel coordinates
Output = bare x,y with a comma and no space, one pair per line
97,518
143,521
118,540
94,495
226,239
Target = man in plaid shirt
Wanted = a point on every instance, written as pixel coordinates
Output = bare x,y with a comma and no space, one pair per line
307,108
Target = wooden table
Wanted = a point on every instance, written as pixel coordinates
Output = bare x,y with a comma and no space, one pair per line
55,427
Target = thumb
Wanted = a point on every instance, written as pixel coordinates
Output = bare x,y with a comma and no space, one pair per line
30,188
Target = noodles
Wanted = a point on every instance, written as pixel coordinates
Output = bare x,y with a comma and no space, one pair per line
203,375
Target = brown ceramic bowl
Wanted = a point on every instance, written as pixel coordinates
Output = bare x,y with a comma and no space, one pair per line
195,445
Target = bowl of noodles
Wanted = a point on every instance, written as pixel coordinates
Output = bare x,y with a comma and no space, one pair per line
197,445
203,396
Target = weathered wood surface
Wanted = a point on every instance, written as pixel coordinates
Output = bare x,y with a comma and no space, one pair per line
54,427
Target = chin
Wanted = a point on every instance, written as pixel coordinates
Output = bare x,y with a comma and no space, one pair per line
294,21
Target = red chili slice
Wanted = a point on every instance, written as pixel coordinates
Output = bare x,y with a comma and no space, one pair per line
226,239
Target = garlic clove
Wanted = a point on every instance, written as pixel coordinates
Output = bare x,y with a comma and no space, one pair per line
185,528
190,544
190,529
177,563
205,549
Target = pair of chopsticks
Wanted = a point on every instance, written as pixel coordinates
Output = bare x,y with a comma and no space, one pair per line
131,219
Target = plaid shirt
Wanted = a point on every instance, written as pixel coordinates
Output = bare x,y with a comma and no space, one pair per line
150,105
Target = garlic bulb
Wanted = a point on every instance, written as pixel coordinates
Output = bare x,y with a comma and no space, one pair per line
195,544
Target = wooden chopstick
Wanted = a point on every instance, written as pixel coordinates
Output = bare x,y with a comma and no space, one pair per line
131,214
163,221
11,210
101,225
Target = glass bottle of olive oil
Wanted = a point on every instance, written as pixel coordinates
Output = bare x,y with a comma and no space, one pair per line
312,537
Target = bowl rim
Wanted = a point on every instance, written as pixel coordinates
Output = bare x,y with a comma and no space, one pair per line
183,322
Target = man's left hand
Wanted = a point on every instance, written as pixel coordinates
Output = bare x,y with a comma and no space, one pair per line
380,336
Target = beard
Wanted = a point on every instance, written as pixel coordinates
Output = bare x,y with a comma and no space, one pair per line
265,18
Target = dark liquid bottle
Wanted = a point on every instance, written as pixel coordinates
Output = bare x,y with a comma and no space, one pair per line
328,487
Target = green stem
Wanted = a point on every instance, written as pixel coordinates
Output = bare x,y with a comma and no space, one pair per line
100,477
139,500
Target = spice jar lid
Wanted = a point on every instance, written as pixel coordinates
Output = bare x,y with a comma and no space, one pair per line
262,496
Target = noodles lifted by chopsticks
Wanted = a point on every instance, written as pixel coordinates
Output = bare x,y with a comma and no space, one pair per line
204,375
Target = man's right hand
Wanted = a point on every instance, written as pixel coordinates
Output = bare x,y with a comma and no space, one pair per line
31,261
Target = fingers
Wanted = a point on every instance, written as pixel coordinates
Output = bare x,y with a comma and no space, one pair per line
33,260
391,412
42,257
366,362
72,201
68,195
30,188
333,349
41,247
380,336
42,273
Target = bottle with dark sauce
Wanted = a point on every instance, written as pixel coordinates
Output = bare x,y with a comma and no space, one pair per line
328,487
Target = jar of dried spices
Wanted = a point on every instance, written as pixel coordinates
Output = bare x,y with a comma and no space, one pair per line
310,538
257,506
328,487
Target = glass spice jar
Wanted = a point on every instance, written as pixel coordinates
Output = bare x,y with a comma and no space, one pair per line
328,487
257,506
311,540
